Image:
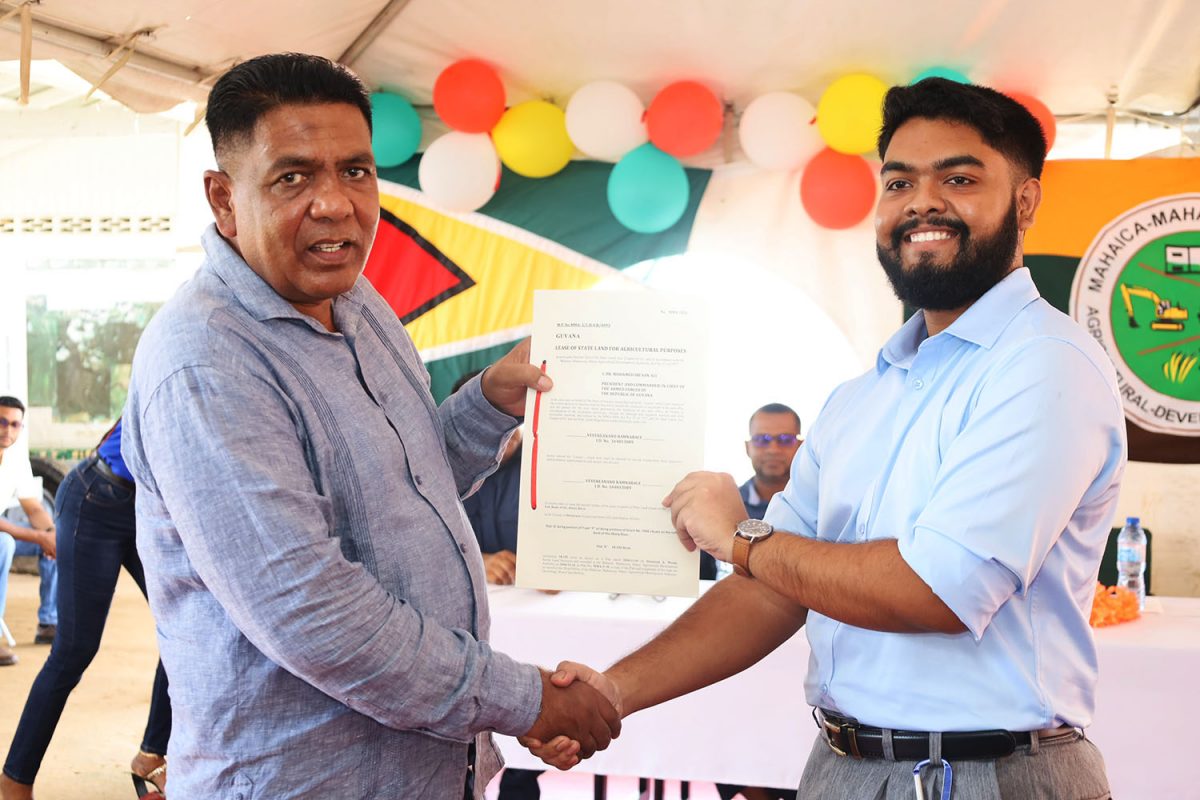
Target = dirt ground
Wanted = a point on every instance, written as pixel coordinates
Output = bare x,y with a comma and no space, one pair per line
106,714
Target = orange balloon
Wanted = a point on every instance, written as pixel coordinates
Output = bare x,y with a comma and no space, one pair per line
469,96
1044,115
837,190
684,119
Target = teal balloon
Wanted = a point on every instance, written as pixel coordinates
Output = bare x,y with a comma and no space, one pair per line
396,129
941,72
647,190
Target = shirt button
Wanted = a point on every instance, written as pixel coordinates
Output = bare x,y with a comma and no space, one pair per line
417,479
862,531
824,688
918,384
462,547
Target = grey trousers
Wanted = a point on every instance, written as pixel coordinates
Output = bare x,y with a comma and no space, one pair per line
1064,768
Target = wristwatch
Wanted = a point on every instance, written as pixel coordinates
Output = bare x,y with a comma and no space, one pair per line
748,532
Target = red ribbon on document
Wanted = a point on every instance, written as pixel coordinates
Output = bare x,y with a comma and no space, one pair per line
533,470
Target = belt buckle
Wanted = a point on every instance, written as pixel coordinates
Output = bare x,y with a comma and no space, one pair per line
848,731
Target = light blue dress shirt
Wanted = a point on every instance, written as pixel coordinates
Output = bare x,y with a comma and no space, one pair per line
319,595
993,453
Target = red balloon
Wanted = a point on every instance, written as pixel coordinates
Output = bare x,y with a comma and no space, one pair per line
684,119
837,190
1044,115
469,96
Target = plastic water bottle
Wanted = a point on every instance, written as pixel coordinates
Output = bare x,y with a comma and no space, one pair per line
1131,559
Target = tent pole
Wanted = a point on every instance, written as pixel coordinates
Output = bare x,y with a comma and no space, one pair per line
371,32
88,45
26,50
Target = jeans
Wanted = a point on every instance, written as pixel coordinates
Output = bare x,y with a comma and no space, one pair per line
96,537
47,569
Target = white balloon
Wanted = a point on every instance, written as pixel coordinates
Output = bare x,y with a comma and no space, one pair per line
777,131
459,170
604,120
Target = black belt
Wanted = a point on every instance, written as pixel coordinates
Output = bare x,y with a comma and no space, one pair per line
107,472
848,738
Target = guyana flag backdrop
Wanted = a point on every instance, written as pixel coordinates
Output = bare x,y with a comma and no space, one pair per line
1117,245
463,284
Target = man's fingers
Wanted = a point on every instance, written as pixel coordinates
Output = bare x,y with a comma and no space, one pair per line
563,677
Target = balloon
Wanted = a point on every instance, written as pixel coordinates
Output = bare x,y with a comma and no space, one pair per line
469,96
837,190
396,129
532,140
647,190
850,113
777,131
684,119
604,120
948,73
1044,115
459,171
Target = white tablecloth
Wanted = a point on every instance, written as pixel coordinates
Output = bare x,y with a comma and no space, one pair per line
756,729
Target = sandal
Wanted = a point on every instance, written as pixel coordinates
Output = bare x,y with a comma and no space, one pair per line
146,785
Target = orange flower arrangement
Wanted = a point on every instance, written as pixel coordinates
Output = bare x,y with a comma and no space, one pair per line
1113,605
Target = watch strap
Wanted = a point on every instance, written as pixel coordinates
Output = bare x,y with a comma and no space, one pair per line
741,556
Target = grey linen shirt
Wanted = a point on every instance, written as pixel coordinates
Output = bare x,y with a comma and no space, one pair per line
319,595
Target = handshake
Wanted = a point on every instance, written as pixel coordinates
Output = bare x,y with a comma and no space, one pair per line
581,713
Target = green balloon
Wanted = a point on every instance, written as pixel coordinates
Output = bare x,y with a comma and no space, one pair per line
941,72
396,129
647,190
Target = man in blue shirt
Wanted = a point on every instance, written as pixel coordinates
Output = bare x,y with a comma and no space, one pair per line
945,519
319,596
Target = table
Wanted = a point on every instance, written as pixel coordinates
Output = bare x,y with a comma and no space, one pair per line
756,729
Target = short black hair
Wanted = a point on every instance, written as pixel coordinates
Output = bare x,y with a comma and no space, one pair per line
776,408
1003,123
8,401
251,89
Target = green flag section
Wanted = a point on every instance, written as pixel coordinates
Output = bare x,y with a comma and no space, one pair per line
1116,244
463,283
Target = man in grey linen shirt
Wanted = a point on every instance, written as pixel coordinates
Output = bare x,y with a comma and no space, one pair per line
319,594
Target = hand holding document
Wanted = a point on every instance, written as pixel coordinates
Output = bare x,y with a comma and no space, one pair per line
624,422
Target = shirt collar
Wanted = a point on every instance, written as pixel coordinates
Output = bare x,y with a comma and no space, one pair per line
254,293
981,324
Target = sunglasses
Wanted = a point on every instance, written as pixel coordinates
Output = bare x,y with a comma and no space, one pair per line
14,424
765,439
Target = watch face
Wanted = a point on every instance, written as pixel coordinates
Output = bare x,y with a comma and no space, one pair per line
754,529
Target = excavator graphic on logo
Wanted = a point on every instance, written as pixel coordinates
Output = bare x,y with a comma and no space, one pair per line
1167,316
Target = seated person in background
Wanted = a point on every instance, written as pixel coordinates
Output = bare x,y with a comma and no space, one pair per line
17,484
492,511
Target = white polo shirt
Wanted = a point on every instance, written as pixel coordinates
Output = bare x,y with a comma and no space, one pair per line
16,477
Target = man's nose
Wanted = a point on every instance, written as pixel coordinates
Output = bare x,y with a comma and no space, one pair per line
330,200
925,198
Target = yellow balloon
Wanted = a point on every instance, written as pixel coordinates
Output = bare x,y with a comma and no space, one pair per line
850,113
532,139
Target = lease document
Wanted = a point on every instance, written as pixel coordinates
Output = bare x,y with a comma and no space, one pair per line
623,424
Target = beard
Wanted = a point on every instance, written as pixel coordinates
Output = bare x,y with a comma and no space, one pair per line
981,263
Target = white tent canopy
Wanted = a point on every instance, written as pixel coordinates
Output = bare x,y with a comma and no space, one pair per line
1072,54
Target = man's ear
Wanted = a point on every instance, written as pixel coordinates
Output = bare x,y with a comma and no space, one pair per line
1029,197
218,190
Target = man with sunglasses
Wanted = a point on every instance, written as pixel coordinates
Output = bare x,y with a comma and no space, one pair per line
774,440
18,484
